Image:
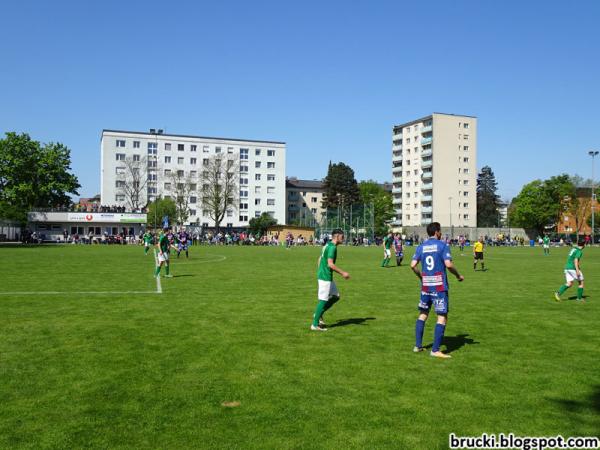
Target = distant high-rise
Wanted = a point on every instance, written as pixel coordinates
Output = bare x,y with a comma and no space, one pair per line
434,171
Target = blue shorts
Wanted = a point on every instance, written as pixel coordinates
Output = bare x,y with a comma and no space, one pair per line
399,254
439,300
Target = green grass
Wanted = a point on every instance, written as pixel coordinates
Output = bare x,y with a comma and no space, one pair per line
152,371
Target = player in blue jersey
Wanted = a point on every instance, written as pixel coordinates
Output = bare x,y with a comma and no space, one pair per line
183,240
434,256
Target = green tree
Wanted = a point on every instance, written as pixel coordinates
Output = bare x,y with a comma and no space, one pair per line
341,188
258,225
160,208
487,199
596,221
373,192
541,203
33,175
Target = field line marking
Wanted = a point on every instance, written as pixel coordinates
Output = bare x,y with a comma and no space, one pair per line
76,292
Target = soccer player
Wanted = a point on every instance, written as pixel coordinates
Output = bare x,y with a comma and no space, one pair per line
573,271
164,248
461,243
387,252
398,249
546,244
182,243
328,294
147,238
434,256
478,252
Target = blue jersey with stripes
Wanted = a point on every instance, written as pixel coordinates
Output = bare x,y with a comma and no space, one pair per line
432,254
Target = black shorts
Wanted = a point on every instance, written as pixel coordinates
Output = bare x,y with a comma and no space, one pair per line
479,255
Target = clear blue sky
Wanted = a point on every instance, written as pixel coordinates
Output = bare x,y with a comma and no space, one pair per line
330,78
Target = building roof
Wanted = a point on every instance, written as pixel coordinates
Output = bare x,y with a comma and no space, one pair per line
304,184
412,122
147,133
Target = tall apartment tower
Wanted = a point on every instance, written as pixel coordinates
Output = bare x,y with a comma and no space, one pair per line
261,171
434,171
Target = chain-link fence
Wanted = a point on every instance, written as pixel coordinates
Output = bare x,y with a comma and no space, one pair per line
357,221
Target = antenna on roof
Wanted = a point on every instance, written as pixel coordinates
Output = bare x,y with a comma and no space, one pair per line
160,131
152,130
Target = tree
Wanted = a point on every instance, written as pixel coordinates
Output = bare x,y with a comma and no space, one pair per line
258,225
131,182
596,220
487,199
33,175
219,180
160,208
341,188
540,204
180,187
373,192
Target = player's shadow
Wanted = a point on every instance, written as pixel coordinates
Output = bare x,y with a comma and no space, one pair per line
454,343
574,297
353,321
579,409
184,275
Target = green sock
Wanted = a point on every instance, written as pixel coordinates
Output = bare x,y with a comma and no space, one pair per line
145,250
332,301
562,289
383,262
167,269
579,293
157,271
319,312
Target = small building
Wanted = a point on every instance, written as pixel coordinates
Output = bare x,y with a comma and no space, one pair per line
304,201
576,221
51,225
282,231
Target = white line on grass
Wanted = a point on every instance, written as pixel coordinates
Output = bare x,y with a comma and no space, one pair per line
77,293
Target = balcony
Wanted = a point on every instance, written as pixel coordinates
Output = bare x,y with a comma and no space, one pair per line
396,147
426,141
426,129
397,222
426,186
397,137
427,152
397,190
426,164
426,221
427,175
397,157
426,198
427,209
397,200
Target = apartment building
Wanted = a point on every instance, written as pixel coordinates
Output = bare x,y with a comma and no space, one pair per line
434,171
261,171
304,200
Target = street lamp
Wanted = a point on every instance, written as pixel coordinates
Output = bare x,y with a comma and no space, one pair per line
593,154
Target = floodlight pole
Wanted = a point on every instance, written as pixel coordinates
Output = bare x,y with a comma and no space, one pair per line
593,154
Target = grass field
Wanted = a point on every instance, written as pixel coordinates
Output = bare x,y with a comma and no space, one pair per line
148,370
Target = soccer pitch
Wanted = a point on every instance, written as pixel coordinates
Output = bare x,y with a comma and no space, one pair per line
92,355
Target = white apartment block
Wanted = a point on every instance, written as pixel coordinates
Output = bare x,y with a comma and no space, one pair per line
261,174
434,171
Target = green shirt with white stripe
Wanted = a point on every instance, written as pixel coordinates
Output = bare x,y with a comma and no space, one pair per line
329,252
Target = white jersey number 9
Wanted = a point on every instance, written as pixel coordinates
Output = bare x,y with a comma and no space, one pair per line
429,262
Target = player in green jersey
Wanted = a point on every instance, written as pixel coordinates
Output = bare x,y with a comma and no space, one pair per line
573,271
163,247
546,244
387,249
147,238
328,294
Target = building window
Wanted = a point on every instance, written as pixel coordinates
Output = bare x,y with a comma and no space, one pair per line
313,199
257,189
205,149
466,205
466,137
120,170
205,162
192,212
466,194
270,152
152,148
167,172
257,164
180,173
229,213
167,186
180,160
243,169
193,161
120,197
271,202
193,173
119,183
243,181
152,177
466,148
167,146
136,157
466,216
180,147
229,150
466,159
313,210
136,144
243,205
217,149
243,218
120,143
465,170
270,190
244,194
193,148
257,177
270,165
244,153
257,201
270,177
120,156
257,152
466,125
167,159
193,199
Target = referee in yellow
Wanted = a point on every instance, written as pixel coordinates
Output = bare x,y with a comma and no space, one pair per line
478,251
